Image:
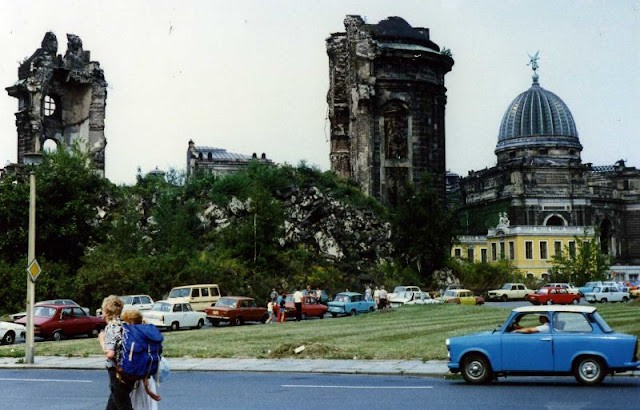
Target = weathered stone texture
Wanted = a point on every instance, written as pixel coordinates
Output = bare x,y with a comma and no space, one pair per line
62,99
387,105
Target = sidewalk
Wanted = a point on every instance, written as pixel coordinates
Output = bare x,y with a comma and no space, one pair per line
388,367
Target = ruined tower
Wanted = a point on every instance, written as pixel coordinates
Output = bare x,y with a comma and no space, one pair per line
61,99
387,105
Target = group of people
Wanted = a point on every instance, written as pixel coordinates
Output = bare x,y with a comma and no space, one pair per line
276,304
379,295
125,393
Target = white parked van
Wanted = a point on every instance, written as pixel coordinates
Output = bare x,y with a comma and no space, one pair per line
199,296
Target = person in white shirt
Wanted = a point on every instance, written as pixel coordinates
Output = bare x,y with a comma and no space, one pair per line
543,328
297,301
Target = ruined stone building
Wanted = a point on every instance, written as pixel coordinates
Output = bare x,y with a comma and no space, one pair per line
218,160
545,193
387,105
61,99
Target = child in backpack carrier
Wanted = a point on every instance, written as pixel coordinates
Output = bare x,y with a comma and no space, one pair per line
138,398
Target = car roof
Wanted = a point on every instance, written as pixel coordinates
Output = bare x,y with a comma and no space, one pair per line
194,286
459,290
349,293
555,308
236,297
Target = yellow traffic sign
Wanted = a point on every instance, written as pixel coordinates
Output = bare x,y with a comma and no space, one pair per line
34,269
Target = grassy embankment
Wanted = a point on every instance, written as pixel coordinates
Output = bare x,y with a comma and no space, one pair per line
412,332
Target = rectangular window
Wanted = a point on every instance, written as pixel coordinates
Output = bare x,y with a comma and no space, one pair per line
494,252
502,254
572,249
528,250
557,246
457,252
512,250
483,255
543,250
470,254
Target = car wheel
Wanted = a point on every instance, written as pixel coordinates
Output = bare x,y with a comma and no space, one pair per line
200,324
321,316
9,338
264,318
476,369
603,300
589,370
505,298
625,299
371,309
57,335
94,332
353,312
175,326
238,321
334,315
576,301
303,316
549,302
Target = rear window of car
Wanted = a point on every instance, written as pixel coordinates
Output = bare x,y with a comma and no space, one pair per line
42,311
600,321
571,322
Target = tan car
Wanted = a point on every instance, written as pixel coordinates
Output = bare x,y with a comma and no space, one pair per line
198,296
462,297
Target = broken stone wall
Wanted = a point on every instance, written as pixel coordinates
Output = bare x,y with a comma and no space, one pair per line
61,99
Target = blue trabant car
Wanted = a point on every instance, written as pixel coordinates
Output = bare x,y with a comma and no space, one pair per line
350,303
549,340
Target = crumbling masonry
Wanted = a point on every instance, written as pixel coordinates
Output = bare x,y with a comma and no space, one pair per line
387,106
62,99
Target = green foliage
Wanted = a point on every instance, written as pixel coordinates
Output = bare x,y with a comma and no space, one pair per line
476,221
423,230
586,264
481,277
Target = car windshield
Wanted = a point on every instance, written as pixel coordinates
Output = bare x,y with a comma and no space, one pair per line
128,300
590,284
179,293
542,291
506,286
226,302
43,311
398,289
162,307
596,290
341,298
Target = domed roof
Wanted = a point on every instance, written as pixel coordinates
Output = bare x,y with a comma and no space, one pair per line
539,118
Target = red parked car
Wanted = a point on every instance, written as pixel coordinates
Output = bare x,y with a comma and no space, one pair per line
310,307
60,321
553,296
236,310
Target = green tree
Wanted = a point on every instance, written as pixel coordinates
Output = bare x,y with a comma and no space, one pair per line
584,264
422,230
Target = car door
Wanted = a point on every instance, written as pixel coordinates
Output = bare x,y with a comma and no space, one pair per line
532,352
188,317
145,303
572,331
82,321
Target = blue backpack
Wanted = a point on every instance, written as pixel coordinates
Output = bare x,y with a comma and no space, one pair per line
141,351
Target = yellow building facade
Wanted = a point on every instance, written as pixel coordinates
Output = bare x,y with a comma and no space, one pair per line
530,249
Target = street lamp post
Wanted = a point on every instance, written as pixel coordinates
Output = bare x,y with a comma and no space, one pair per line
33,269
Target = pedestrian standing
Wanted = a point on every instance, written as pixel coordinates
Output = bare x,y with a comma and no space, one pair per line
297,301
376,297
367,293
111,342
269,311
383,298
283,307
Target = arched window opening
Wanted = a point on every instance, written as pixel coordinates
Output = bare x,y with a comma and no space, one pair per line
50,145
49,106
555,220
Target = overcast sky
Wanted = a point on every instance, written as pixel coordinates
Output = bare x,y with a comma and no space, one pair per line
252,76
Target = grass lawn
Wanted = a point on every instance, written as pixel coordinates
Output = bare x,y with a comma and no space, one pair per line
411,332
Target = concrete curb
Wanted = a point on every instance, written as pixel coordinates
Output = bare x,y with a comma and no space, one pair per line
380,367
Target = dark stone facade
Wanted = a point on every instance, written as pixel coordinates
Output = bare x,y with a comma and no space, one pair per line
387,105
62,99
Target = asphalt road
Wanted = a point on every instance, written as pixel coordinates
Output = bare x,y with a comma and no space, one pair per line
87,389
